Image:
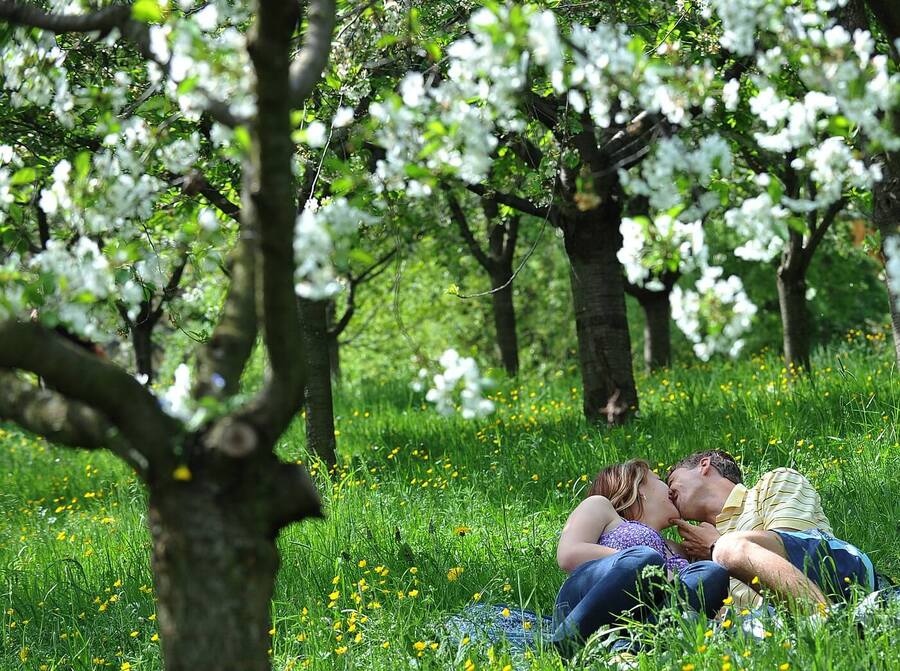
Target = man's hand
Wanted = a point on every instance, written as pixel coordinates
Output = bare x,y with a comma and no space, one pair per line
697,539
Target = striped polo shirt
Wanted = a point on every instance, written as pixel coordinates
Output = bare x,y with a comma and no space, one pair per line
781,500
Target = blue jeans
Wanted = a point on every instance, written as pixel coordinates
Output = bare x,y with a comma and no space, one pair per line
599,591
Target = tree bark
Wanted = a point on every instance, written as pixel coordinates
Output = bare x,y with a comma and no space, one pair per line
505,318
795,319
214,556
318,399
334,347
592,240
142,341
214,569
657,329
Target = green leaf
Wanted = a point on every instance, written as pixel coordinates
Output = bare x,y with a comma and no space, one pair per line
386,41
361,256
148,11
242,138
82,164
23,176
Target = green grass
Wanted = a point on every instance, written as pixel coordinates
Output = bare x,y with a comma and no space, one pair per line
74,567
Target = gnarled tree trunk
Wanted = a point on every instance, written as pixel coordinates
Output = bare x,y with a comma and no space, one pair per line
334,347
592,240
214,563
142,341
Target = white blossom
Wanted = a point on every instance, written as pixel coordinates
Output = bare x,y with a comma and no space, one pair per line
460,376
715,316
176,401
892,265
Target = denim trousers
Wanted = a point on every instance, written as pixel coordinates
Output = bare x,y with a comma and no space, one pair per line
599,591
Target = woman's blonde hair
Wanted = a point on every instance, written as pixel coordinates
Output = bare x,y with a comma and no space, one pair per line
620,483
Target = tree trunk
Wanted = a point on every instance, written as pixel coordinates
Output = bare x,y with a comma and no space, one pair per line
795,320
505,318
142,340
334,351
657,329
886,215
214,565
592,240
318,399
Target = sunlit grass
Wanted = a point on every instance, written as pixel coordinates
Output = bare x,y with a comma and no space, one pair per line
427,515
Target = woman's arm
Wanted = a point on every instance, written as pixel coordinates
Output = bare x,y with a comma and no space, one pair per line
578,541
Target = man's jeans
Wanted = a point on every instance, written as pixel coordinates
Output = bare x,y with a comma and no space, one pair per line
598,591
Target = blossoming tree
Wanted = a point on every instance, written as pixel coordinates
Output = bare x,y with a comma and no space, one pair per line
191,96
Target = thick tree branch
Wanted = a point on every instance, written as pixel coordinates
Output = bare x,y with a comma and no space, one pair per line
512,237
818,233
462,222
195,182
93,381
269,207
369,273
313,57
103,20
59,420
221,361
516,202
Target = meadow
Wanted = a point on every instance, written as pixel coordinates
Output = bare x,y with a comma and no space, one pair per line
426,515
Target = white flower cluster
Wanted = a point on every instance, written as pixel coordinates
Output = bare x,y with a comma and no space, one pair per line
176,400
892,265
716,315
762,224
673,237
32,71
322,239
81,277
742,19
450,127
202,47
649,247
460,376
458,138
662,176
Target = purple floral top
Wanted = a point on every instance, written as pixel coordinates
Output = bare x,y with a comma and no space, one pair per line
630,533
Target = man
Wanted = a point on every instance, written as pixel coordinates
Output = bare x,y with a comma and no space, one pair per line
772,536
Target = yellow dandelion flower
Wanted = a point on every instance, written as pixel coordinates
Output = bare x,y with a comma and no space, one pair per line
340,650
362,563
454,573
784,667
134,634
154,638
476,596
182,473
687,667
419,645
728,600
413,593
726,624
125,667
334,595
505,612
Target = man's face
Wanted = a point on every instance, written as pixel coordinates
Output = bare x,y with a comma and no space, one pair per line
684,486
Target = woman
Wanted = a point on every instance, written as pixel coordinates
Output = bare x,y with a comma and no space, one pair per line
607,542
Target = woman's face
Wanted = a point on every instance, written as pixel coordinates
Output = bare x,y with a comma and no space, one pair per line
657,503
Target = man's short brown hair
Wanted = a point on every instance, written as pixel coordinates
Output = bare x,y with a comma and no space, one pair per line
723,462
